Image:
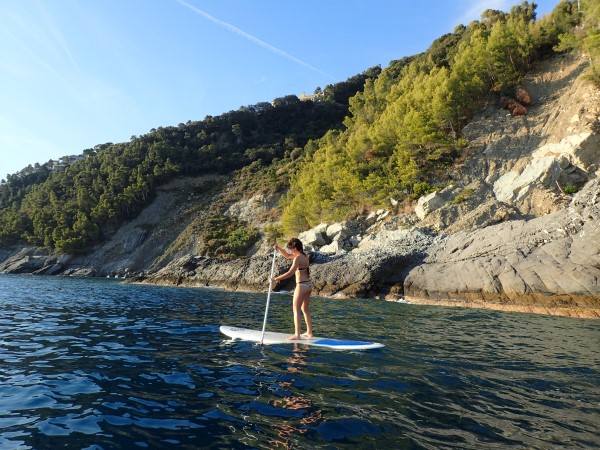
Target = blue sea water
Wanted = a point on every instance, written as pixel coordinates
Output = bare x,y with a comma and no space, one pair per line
95,364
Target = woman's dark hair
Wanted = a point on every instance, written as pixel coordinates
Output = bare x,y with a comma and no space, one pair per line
297,244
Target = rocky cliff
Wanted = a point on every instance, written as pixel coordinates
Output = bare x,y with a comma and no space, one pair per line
550,264
517,229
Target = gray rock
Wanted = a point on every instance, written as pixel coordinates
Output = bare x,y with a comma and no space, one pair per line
429,203
551,260
334,247
315,237
334,229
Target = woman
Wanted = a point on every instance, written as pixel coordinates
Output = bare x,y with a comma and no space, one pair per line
303,285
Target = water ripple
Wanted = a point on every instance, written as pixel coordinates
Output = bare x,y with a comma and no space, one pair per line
98,365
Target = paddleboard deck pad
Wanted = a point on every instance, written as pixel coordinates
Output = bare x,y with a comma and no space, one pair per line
272,337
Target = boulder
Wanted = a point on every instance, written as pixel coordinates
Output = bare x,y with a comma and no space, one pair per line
335,247
334,229
315,237
518,110
523,96
428,203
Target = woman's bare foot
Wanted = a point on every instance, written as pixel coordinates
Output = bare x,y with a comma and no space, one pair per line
294,338
307,335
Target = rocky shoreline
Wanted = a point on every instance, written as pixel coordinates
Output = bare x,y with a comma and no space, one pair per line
579,313
545,265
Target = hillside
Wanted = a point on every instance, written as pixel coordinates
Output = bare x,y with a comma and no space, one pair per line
476,205
536,252
508,254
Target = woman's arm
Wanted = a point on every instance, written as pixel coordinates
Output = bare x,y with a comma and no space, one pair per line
285,254
289,273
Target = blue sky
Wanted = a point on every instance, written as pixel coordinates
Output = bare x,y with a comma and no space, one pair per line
74,74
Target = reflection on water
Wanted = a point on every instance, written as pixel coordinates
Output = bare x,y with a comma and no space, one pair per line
303,413
93,364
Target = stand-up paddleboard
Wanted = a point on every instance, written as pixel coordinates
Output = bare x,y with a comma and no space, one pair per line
271,337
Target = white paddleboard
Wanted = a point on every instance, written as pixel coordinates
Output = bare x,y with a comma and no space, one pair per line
272,337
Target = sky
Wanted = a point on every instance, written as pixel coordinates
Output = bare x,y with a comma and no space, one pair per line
78,73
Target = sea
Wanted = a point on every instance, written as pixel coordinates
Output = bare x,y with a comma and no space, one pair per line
98,364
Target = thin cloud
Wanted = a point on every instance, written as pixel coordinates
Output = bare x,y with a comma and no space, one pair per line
59,38
251,38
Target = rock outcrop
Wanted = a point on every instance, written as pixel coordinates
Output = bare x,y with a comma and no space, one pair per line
548,264
377,267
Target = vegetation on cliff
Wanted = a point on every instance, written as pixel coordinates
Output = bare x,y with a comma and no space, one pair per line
379,135
70,210
404,128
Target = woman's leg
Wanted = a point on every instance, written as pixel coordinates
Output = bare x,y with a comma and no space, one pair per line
296,305
305,307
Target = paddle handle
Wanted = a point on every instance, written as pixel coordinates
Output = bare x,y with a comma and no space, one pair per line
262,336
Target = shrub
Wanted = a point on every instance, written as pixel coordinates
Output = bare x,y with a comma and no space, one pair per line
465,194
273,232
226,237
570,189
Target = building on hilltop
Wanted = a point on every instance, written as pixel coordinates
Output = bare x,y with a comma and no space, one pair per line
63,162
316,97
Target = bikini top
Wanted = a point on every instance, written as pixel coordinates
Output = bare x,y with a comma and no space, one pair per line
303,268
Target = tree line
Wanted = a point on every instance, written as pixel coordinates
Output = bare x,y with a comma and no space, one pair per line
69,211
404,127
379,135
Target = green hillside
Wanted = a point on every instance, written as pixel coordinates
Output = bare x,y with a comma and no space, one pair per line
69,209
404,128
378,135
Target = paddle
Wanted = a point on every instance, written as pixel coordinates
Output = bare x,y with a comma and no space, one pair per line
268,297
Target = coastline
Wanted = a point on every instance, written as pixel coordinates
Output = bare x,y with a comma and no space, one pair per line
577,313
533,307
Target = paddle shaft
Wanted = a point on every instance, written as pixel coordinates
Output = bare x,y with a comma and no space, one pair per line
262,336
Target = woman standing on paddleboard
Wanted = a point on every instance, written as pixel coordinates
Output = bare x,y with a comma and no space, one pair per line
303,285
